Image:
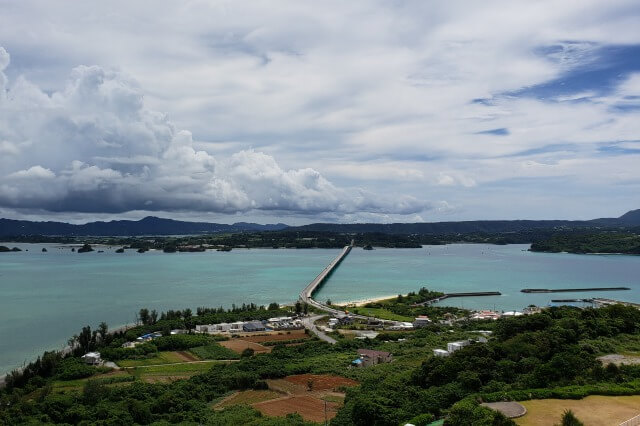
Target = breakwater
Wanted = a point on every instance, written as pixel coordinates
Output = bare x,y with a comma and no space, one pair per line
570,290
464,294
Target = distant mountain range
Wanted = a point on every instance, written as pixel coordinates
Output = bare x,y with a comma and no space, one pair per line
158,226
629,219
147,226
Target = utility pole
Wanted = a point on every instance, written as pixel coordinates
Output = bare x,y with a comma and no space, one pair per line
325,409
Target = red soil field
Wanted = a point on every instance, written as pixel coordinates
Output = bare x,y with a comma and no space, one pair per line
310,408
295,335
321,382
238,345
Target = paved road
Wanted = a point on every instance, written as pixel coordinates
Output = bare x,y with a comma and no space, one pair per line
309,323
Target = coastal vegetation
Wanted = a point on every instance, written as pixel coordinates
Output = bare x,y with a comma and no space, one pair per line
583,243
407,307
546,239
547,355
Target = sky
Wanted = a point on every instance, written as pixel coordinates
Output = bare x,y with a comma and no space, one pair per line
334,111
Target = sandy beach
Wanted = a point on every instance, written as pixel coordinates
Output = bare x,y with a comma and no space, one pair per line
362,302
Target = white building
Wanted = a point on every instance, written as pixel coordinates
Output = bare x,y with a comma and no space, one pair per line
440,352
236,326
512,314
92,358
454,346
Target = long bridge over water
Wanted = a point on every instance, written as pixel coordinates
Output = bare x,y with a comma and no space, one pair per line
306,295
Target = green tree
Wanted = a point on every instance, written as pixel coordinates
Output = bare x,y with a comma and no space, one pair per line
103,331
569,419
143,315
93,391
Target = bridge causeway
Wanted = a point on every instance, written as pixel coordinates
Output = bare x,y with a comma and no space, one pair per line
307,294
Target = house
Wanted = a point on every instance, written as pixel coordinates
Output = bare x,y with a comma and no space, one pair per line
421,321
531,309
512,314
370,357
179,331
252,326
236,326
440,352
92,358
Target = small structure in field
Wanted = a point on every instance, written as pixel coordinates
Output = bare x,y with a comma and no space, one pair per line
454,346
440,352
92,358
362,335
369,357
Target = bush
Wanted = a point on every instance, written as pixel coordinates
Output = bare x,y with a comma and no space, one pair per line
422,419
569,419
178,342
73,368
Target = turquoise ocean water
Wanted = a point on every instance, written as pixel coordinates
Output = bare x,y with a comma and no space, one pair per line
47,297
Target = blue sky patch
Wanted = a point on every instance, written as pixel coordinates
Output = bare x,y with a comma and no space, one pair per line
498,132
599,72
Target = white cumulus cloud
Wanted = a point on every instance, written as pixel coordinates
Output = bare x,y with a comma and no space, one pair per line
95,147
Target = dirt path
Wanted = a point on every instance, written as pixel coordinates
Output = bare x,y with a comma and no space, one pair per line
187,356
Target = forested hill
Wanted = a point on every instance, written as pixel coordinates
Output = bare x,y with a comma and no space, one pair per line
147,226
159,226
631,218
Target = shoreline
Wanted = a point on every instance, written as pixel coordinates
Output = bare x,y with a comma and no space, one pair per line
64,350
362,302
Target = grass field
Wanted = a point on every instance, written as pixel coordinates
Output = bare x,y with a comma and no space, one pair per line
169,373
160,358
381,313
214,351
77,385
593,410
